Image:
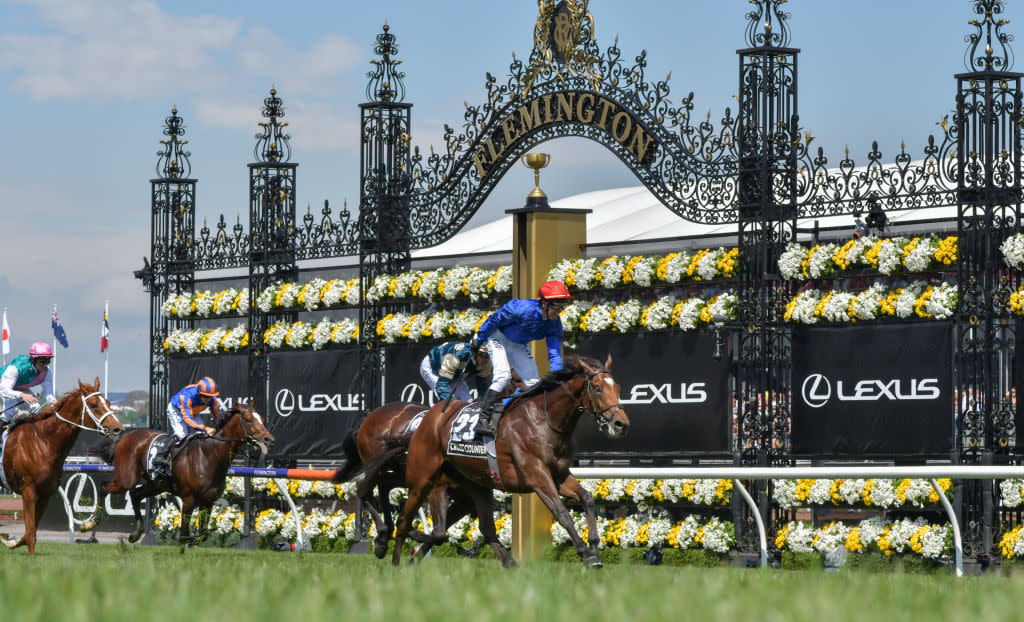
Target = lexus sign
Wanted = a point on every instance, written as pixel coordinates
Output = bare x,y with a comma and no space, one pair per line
872,391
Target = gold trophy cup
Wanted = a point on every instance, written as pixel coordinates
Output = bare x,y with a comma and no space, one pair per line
536,161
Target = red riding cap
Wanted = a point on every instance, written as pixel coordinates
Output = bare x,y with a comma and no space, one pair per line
554,290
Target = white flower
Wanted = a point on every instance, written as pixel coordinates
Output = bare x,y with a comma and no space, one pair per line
883,493
310,294
584,272
503,280
784,493
646,270
689,315
800,537
430,284
379,288
821,492
675,266
1011,492
718,536
611,271
836,308
942,303
901,532
561,269
453,280
801,308
866,305
890,255
1013,251
871,529
658,315
598,318
908,296
404,283
268,522
850,491
353,292
627,316
791,262
921,256
821,263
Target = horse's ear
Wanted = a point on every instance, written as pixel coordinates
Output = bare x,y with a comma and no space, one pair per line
608,361
83,387
96,384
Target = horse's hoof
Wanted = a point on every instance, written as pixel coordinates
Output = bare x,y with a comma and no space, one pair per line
380,549
509,563
593,561
135,537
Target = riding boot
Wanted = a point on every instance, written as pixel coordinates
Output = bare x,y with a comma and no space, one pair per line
15,419
162,464
490,407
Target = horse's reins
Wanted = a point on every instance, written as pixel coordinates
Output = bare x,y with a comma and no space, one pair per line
598,415
86,410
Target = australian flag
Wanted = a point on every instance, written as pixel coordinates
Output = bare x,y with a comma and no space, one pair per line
58,331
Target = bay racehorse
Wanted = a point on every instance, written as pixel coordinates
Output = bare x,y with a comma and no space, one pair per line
36,449
198,472
379,444
533,450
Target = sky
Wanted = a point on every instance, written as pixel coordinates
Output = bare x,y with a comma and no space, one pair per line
85,86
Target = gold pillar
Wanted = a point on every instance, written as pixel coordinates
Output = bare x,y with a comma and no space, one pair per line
541,237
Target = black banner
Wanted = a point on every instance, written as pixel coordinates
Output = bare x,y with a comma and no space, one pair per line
673,390
314,401
879,391
229,371
1018,380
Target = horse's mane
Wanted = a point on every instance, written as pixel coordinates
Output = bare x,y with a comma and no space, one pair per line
572,365
51,409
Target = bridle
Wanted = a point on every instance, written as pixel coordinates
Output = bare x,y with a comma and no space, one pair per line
86,410
248,437
602,417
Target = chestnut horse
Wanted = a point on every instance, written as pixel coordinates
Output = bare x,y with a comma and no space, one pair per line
380,444
36,450
199,471
533,448
374,444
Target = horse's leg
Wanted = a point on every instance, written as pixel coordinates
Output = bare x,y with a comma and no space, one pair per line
438,500
29,497
384,521
420,486
184,539
571,488
545,488
138,495
484,502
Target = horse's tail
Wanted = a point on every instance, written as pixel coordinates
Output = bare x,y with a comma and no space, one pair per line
396,448
351,462
102,449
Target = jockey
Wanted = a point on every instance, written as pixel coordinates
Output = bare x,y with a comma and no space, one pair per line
17,380
183,416
447,367
517,323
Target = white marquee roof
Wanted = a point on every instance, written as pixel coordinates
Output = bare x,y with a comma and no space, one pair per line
631,215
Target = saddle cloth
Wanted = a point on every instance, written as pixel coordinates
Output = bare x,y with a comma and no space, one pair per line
463,441
156,445
415,423
3,446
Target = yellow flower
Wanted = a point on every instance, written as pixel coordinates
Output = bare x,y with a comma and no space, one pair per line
853,542
839,257
948,251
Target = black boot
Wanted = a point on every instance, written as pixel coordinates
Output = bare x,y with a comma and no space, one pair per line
490,407
162,464
15,419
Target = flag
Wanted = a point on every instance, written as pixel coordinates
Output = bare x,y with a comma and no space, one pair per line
104,331
6,336
58,331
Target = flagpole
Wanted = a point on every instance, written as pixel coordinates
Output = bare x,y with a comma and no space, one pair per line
53,369
106,360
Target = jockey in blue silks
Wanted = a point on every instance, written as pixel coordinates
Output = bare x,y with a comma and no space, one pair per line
517,323
184,415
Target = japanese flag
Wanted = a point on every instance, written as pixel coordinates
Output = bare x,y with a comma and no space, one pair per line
6,336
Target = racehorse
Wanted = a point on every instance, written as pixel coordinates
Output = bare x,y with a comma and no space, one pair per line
376,445
198,472
533,450
36,450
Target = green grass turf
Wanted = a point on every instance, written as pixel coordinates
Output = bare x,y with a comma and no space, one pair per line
120,582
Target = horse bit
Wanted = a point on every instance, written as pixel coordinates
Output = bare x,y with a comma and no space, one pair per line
604,423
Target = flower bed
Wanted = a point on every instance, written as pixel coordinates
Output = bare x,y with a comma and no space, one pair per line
887,255
211,341
875,534
668,312
872,493
207,304
646,270
916,300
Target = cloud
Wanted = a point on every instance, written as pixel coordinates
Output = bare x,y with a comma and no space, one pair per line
104,49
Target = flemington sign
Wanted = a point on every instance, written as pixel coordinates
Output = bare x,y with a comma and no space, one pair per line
584,107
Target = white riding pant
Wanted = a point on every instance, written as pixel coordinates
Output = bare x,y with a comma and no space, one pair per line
178,427
519,358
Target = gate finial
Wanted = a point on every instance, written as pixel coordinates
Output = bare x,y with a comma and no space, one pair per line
272,141
989,29
385,80
768,25
173,160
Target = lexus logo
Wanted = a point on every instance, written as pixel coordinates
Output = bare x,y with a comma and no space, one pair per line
284,402
417,394
816,390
